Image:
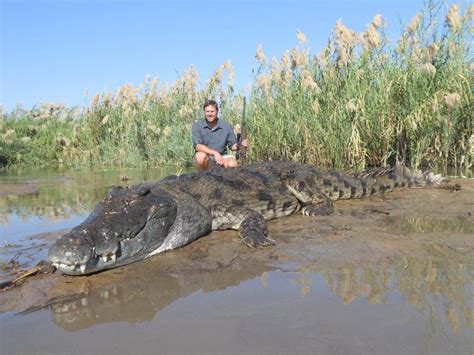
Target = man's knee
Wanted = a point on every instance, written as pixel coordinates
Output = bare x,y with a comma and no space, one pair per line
201,157
201,160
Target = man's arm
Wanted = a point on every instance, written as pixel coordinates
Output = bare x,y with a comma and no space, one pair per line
205,149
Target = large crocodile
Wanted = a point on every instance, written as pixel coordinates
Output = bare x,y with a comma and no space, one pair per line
131,224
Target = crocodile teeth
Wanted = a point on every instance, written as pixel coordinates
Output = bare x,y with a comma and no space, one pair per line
105,258
56,265
83,268
113,257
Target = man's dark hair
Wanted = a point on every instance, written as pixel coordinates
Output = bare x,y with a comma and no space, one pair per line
210,103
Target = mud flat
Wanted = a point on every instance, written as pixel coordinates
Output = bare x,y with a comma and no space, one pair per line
390,274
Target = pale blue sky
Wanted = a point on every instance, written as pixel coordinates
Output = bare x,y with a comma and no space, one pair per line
53,50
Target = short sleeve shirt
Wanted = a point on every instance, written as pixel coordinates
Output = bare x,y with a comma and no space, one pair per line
219,138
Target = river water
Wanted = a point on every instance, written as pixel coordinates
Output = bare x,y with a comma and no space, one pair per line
392,274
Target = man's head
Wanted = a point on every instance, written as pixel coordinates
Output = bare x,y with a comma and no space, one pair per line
210,111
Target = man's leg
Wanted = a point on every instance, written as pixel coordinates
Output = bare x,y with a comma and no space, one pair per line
201,160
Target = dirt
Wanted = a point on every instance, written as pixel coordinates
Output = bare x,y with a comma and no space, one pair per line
368,233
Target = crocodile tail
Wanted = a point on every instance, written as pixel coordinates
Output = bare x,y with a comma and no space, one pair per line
420,178
386,179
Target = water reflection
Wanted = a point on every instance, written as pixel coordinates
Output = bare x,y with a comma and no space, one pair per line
426,224
438,288
54,194
142,297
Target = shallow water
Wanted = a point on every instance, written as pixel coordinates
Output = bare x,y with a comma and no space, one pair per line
36,202
271,313
387,275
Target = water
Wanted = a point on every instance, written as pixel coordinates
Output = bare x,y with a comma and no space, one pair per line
251,318
386,275
36,202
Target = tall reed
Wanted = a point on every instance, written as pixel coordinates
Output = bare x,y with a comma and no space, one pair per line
362,101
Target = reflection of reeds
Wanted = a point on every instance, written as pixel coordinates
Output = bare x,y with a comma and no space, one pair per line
439,282
76,196
427,225
357,103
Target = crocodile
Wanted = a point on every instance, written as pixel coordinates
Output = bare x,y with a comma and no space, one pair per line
131,224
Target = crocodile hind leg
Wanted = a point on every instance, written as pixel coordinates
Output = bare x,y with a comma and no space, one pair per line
251,224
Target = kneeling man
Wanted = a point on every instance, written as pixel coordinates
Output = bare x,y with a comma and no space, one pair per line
212,137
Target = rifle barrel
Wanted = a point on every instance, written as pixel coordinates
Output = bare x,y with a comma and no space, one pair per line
243,136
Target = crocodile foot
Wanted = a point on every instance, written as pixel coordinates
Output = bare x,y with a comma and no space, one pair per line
322,209
253,230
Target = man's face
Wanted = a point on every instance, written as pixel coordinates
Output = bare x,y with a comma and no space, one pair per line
210,112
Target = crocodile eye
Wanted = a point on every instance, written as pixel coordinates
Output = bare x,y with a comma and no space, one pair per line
301,185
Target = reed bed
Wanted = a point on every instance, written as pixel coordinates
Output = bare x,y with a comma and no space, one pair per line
362,101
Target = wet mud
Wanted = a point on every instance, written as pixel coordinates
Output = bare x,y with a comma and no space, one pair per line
389,274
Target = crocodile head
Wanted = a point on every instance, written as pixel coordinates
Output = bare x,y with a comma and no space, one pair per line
124,227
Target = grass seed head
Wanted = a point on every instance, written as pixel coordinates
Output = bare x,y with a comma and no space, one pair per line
415,22
167,131
452,18
264,82
76,129
452,100
471,67
345,37
185,111
377,21
342,56
285,60
371,37
433,49
155,130
308,82
315,107
95,101
259,55
301,37
428,69
351,106
230,72
275,69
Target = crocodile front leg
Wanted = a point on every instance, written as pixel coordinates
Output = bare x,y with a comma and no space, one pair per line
251,224
313,200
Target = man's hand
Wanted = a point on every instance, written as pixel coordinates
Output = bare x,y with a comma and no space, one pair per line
245,143
219,158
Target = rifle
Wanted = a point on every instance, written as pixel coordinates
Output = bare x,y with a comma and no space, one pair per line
242,152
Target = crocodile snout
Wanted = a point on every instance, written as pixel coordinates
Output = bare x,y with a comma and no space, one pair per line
71,254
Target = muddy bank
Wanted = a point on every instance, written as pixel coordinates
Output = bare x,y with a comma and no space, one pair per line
391,274
401,228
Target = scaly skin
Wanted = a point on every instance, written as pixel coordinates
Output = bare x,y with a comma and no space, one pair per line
132,224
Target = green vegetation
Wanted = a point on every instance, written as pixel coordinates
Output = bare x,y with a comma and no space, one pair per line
360,102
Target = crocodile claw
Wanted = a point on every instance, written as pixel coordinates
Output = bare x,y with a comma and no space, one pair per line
257,240
323,209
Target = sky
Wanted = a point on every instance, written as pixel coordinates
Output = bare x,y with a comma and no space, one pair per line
54,50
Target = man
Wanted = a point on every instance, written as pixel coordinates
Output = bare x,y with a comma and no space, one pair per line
212,137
